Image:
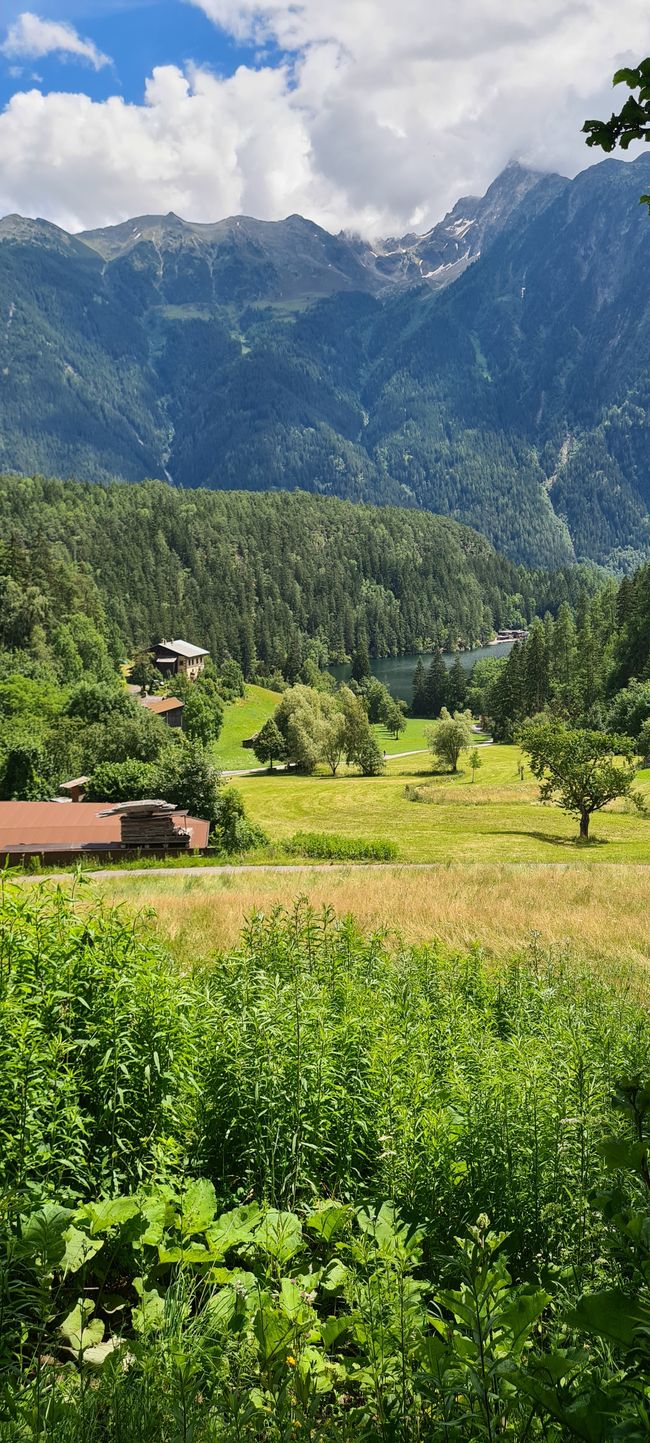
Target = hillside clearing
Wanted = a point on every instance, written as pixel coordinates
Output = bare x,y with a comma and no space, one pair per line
241,719
498,818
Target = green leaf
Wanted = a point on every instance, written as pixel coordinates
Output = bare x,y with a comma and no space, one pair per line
519,1314
588,1418
274,1333
80,1329
43,1234
627,76
619,1153
334,1277
113,1213
233,1228
328,1219
199,1205
612,1314
220,1310
333,1328
159,1214
79,1249
193,1253
279,1235
96,1355
293,1302
149,1314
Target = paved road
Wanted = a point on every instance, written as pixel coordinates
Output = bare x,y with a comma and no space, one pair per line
216,870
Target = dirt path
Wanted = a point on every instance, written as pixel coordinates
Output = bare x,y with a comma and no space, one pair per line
389,757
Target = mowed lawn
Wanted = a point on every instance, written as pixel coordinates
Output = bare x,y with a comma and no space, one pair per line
413,738
497,818
241,720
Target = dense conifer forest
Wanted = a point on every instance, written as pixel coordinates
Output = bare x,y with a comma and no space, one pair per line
264,579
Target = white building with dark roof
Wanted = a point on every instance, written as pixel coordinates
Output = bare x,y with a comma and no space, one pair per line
180,658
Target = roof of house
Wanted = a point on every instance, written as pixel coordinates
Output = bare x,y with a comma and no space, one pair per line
161,704
76,826
184,648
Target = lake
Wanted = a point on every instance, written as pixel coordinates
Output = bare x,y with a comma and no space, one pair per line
396,672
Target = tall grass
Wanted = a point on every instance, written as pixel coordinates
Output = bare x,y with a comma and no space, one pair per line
351,1109
310,1061
600,913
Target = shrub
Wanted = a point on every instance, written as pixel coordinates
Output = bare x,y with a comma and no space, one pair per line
128,781
234,832
351,849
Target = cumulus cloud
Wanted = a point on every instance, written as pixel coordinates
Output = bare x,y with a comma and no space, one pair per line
29,38
376,117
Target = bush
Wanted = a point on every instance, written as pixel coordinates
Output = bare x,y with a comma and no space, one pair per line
328,845
129,781
234,832
96,1048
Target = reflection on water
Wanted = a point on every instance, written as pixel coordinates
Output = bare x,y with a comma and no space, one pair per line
396,672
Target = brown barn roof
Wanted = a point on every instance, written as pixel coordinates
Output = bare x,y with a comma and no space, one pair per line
161,704
39,826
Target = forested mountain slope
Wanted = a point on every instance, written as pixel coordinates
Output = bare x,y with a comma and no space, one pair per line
495,370
268,580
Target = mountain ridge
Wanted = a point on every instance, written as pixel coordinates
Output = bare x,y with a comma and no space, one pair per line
509,389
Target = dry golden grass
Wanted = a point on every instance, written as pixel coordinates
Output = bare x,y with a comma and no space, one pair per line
600,911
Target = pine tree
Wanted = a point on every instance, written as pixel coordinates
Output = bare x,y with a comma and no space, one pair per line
418,702
361,663
536,669
456,686
435,686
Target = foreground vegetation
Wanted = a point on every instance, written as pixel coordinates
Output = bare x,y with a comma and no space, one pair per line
231,1196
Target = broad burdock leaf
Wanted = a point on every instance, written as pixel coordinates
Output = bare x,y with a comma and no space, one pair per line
43,1234
198,1207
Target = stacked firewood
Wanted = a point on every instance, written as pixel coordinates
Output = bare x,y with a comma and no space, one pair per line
150,824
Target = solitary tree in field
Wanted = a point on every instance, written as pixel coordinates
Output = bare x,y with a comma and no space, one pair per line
475,762
581,770
270,745
449,736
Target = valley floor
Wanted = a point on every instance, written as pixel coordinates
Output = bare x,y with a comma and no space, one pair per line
497,818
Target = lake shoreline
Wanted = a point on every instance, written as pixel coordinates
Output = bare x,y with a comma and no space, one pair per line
396,672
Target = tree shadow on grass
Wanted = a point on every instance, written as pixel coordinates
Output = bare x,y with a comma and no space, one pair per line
575,844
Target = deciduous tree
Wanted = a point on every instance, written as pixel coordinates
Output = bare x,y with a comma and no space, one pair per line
581,770
449,736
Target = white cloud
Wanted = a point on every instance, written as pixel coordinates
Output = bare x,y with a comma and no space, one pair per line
379,116
29,38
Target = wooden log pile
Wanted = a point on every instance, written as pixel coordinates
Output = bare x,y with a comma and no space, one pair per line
150,824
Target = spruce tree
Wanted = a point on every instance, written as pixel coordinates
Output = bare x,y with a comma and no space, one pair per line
435,686
456,686
418,702
361,663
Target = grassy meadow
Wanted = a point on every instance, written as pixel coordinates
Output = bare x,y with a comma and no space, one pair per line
497,818
245,717
241,720
598,913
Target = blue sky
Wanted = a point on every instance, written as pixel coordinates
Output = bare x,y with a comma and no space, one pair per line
136,34
363,114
